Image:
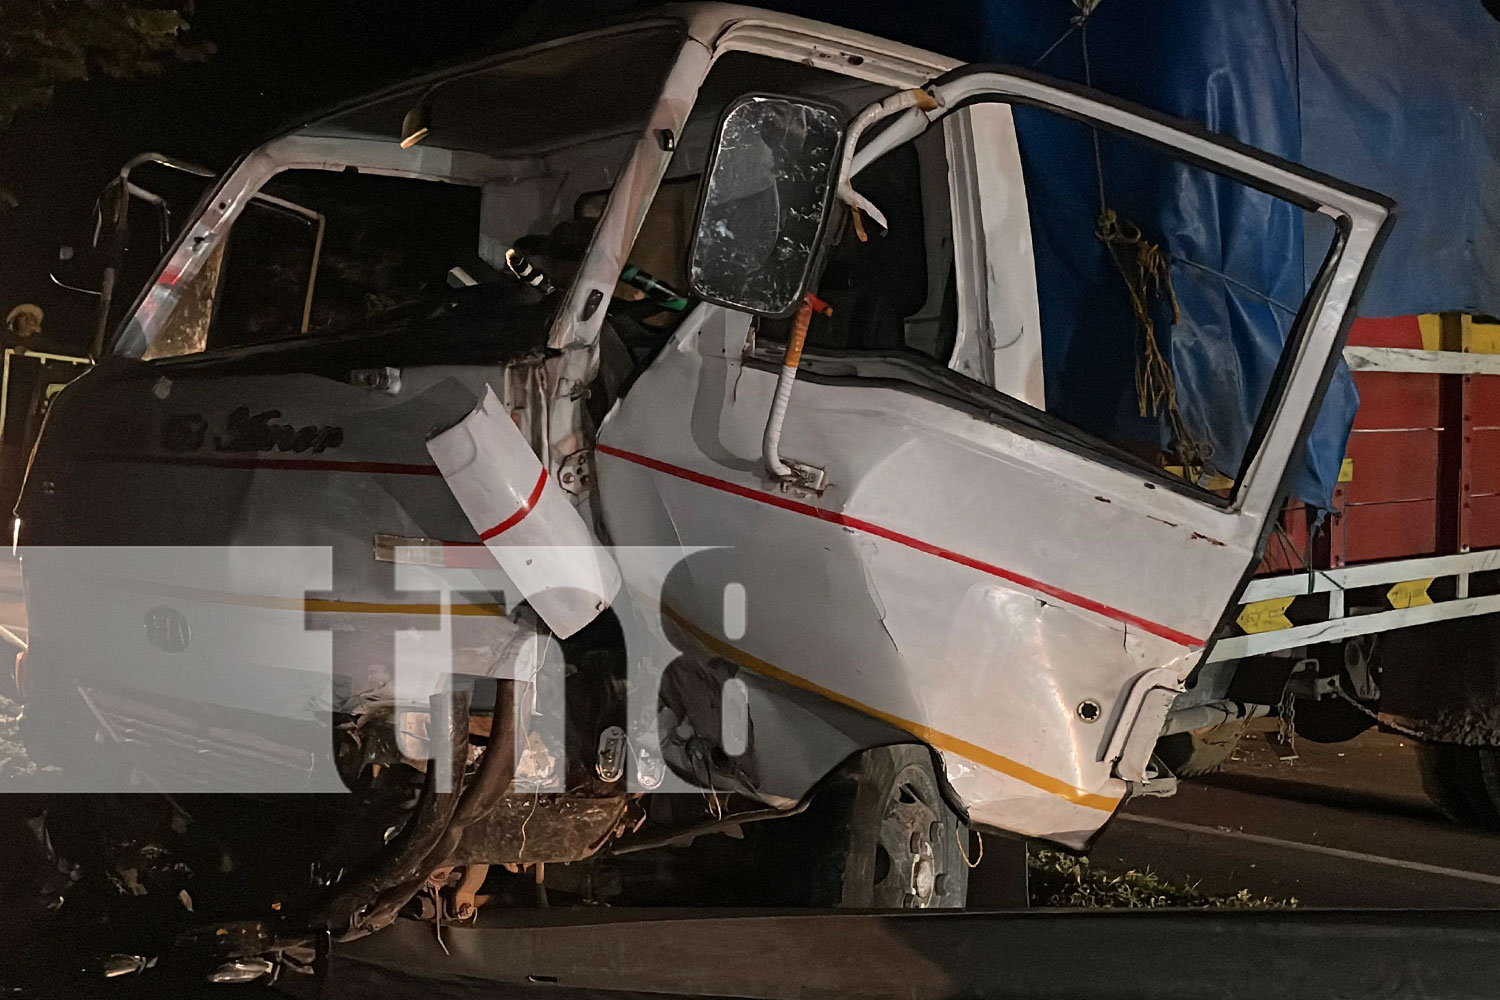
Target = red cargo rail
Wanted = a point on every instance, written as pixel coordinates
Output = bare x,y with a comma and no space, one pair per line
1414,534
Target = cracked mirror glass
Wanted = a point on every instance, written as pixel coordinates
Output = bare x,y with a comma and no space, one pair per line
763,205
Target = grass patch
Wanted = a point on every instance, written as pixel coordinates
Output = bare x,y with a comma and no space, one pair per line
1062,879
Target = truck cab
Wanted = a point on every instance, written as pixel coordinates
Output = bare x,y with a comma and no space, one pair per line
660,429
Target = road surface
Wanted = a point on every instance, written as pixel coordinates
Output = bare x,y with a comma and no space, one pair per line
1343,825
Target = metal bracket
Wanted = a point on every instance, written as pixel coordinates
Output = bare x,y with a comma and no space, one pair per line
808,478
1160,782
1306,684
1130,710
576,473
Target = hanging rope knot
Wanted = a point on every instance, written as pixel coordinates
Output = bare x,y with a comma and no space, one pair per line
1147,271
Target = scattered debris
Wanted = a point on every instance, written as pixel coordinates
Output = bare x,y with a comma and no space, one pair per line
117,965
1062,879
242,970
14,762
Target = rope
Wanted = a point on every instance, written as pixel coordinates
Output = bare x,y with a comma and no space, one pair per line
1147,271
958,836
1076,24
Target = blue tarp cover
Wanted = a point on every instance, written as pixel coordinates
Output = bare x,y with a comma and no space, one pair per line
1397,96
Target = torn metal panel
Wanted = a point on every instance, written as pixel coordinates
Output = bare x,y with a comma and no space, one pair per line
511,500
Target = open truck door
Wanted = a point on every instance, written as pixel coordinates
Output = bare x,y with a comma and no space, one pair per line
938,528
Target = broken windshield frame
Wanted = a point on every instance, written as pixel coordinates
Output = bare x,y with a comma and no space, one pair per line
478,134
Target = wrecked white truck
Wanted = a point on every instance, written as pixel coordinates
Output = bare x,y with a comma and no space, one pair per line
641,434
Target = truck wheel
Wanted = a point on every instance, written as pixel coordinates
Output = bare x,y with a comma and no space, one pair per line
1464,782
1200,751
888,838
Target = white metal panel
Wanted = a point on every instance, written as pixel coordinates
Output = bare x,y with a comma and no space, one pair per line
937,582
1000,330
525,518
1404,359
1343,628
1369,574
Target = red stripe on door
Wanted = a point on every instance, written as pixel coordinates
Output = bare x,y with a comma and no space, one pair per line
521,512
868,527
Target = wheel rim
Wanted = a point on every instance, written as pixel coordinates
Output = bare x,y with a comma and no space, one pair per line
908,860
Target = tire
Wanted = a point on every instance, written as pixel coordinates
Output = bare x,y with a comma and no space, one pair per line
1464,782
882,836
1200,751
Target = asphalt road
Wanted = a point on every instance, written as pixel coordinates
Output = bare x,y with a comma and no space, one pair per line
1342,825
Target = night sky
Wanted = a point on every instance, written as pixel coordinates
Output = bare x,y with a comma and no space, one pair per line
278,60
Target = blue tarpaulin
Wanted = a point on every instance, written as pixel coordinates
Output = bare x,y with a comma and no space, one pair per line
1236,253
1404,98
1396,96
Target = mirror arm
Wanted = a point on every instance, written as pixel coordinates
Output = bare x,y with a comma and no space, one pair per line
771,440
917,101
912,123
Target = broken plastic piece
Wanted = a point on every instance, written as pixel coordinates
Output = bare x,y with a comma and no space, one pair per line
114,966
525,518
242,970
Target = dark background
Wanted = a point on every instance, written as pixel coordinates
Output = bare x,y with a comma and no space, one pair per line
278,61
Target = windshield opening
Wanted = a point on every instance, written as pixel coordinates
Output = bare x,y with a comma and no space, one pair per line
349,230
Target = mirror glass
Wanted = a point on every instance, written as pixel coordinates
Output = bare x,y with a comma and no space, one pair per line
764,201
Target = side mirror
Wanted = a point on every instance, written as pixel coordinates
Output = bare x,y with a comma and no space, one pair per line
765,201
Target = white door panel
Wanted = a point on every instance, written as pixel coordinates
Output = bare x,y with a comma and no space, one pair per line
957,614
976,575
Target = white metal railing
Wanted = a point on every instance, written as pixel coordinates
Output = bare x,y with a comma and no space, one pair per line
1338,624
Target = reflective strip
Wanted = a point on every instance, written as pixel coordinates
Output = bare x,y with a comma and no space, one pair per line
1410,593
1265,616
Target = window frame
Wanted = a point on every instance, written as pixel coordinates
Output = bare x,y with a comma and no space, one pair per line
952,387
251,194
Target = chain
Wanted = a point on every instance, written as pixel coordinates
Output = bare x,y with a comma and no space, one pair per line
1403,730
1286,723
